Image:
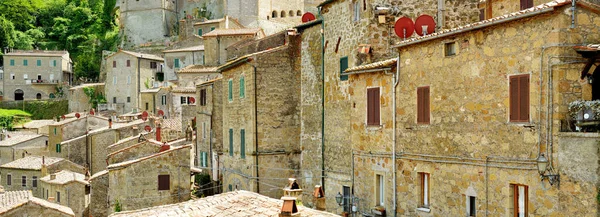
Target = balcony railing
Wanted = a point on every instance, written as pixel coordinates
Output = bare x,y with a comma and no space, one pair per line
110,107
42,81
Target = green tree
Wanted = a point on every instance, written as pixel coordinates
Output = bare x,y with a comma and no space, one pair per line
20,12
7,33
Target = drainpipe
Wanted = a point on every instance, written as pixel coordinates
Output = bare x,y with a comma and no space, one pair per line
396,78
322,99
573,14
139,78
440,16
256,130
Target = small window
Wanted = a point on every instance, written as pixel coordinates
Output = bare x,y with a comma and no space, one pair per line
373,107
25,76
129,79
203,97
128,99
39,77
230,90
520,196
212,28
424,196
34,182
24,181
525,4
346,201
153,65
163,99
379,190
176,63
12,62
147,106
356,11
481,14
115,79
230,142
54,63
343,67
450,48
291,13
519,98
274,14
164,182
471,208
242,87
58,148
282,14
115,99
243,143
200,32
423,113
58,196
9,179
12,76
39,62
230,187
114,64
25,62
128,63
183,100
38,96
299,13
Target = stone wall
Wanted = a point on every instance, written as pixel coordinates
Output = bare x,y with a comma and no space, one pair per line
215,48
78,101
209,122
23,76
135,185
133,152
99,196
34,209
140,25
16,175
252,46
75,150
72,195
36,146
185,59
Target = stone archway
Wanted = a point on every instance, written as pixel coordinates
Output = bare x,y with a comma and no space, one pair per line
38,96
19,94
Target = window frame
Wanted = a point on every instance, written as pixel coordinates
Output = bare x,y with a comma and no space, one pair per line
176,63
516,118
183,100
9,179
203,97
471,203
163,99
25,62
425,190
243,143
379,193
516,195
242,87
23,181
423,105
12,62
39,62
231,142
450,49
356,11
161,182
58,196
230,90
34,182
128,63
343,68
526,4
114,64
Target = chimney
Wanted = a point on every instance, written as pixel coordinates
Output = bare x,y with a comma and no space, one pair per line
1,189
109,123
164,147
51,199
44,168
158,138
289,207
53,176
136,130
319,198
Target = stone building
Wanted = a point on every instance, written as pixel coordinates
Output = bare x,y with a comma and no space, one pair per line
147,21
35,74
158,99
158,179
79,101
209,122
35,126
229,204
130,74
16,145
19,203
192,75
177,59
24,173
201,28
182,96
216,42
70,189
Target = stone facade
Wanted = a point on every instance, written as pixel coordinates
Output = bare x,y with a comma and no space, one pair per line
128,74
158,99
135,185
19,203
79,101
141,24
201,28
99,201
133,152
209,130
70,187
216,42
180,58
20,145
34,75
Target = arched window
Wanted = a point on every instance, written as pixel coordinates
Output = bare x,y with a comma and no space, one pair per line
282,14
38,96
299,13
274,14
291,13
1,94
51,96
19,94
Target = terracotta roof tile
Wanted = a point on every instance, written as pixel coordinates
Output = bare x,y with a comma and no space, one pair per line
227,32
10,200
31,162
186,49
375,65
64,177
235,203
198,69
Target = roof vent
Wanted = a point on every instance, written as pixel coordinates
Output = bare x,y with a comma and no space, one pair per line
164,147
289,207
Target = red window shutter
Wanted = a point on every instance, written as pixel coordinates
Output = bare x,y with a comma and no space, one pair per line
373,106
523,4
514,98
426,111
376,105
114,64
524,98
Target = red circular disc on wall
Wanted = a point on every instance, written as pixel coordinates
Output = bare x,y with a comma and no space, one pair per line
77,115
92,112
404,27
308,16
192,100
425,22
148,128
161,113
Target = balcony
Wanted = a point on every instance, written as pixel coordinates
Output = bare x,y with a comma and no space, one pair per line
111,107
41,81
583,116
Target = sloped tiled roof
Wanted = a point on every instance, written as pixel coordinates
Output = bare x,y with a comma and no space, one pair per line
183,90
235,203
36,53
130,162
546,7
86,85
31,163
230,32
98,174
140,55
64,177
18,137
375,65
10,200
186,49
197,69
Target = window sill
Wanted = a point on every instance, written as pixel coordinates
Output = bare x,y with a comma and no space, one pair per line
423,209
374,127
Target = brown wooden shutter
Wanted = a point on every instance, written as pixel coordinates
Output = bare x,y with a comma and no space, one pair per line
369,107
373,104
526,199
524,98
523,4
515,200
423,111
514,98
426,111
164,182
419,105
114,64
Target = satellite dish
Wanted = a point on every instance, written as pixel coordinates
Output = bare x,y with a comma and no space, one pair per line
92,112
307,17
404,27
77,115
145,115
161,113
63,117
425,25
192,100
148,128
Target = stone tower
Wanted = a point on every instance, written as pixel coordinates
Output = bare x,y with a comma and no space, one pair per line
144,21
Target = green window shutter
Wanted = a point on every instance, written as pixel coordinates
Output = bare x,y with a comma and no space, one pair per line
12,62
212,28
243,143
230,93
230,187
204,159
200,32
230,142
24,62
55,131
242,87
58,148
54,63
343,67
39,62
176,63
